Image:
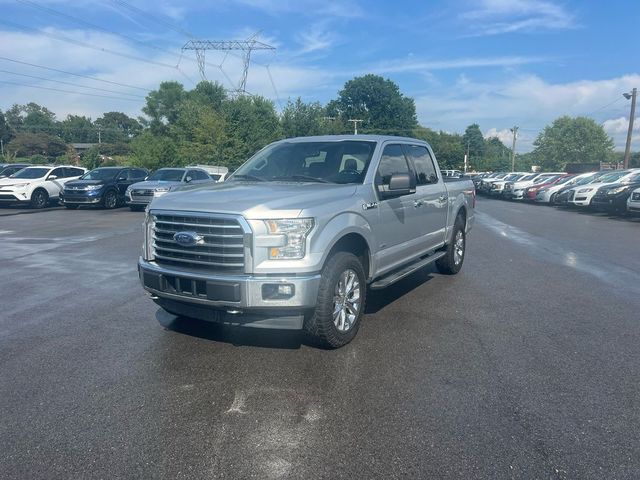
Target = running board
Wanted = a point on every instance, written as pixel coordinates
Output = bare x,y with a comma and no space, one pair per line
403,272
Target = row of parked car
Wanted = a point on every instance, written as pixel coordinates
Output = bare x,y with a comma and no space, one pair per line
108,187
614,191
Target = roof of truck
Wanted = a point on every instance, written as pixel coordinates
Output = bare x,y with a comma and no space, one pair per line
369,138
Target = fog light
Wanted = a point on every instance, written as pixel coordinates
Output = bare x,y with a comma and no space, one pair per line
277,291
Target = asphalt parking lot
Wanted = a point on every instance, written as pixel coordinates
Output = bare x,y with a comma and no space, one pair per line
525,365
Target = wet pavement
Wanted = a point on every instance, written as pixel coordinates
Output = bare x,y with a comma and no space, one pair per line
525,365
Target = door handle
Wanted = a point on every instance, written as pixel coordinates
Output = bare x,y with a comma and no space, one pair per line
418,203
442,199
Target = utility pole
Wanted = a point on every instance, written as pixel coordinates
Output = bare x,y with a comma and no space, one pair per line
355,125
627,150
514,130
2,147
246,46
99,136
466,158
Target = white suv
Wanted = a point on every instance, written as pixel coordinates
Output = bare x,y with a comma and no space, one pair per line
37,185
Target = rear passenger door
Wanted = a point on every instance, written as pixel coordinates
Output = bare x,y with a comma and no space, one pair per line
398,233
123,180
199,176
54,185
432,200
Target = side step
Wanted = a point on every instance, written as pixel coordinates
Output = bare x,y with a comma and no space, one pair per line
405,271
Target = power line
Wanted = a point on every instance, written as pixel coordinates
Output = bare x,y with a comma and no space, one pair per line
72,84
167,24
74,74
67,91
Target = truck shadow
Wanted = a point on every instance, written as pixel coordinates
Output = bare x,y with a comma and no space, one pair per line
379,299
237,336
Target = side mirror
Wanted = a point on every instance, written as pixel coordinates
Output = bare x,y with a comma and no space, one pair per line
121,179
52,177
188,179
399,185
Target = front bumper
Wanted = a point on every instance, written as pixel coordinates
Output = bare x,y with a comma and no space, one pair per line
74,198
13,196
230,299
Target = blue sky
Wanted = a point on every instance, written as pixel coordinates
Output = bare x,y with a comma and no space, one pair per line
498,63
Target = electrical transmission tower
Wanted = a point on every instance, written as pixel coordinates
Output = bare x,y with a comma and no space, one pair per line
245,46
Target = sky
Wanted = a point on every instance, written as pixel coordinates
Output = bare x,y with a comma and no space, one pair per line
498,63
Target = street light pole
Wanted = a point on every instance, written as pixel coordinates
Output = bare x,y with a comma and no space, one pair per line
627,150
514,130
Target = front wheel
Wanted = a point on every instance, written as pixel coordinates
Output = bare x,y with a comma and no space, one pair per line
451,262
39,199
341,300
110,200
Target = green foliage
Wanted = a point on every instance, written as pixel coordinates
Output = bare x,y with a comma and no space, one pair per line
300,119
30,118
208,93
162,106
77,129
153,151
446,146
473,141
117,127
376,101
5,132
91,158
26,144
572,140
38,159
496,157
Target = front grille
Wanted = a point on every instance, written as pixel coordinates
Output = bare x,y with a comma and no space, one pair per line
142,195
222,248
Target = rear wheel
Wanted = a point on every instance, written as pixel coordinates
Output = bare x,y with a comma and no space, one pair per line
452,261
110,200
341,300
39,199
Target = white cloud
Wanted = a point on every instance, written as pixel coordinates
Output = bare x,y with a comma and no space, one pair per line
416,65
524,100
504,135
334,8
315,39
494,17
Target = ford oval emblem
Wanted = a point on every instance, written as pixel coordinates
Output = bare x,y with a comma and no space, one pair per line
188,239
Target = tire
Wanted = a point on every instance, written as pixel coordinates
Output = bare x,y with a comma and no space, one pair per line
451,262
110,200
39,199
71,207
329,323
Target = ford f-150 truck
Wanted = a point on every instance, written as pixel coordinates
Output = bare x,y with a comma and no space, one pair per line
303,232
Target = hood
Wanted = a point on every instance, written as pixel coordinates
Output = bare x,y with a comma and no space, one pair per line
253,200
610,186
83,183
17,181
151,184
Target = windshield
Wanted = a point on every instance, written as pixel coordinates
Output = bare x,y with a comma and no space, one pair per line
632,178
100,174
528,177
31,173
514,176
167,175
610,177
564,180
545,179
327,162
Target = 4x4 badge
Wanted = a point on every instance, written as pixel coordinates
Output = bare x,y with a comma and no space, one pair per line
370,205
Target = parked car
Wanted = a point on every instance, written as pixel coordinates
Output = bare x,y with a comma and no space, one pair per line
219,174
613,198
496,187
103,186
633,202
8,169
139,195
485,183
515,190
562,196
37,185
298,234
548,193
583,195
531,192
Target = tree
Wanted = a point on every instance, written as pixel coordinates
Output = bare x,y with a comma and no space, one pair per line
26,144
302,119
473,141
117,127
376,101
162,105
5,133
77,129
446,146
496,157
153,151
572,140
208,93
31,118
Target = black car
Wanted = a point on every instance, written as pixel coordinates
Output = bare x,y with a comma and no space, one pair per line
9,169
613,198
104,186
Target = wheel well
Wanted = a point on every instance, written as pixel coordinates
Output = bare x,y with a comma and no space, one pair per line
40,189
356,244
462,213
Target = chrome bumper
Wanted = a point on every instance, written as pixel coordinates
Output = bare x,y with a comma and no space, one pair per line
227,292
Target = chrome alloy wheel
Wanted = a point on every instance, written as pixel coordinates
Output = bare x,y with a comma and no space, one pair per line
346,300
458,248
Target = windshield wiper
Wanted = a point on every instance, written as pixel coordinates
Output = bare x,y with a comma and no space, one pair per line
304,178
249,177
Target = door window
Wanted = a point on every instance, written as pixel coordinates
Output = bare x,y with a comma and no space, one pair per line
58,172
423,163
198,175
392,161
138,174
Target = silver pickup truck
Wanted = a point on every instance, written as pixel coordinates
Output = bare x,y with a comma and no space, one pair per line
303,232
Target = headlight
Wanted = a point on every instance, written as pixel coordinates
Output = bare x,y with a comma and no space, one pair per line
161,191
94,187
615,191
149,225
295,231
584,190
